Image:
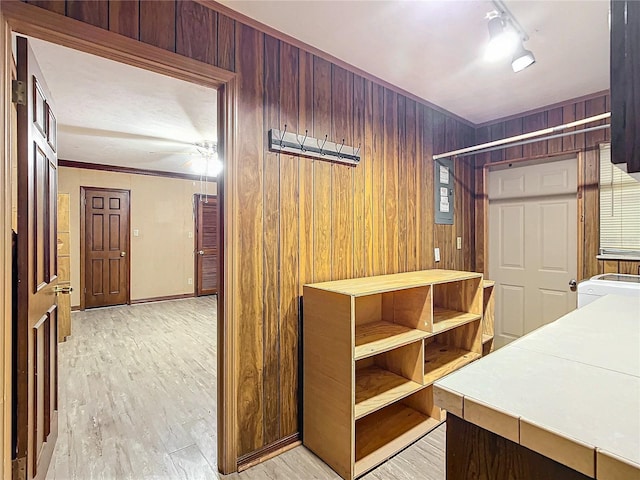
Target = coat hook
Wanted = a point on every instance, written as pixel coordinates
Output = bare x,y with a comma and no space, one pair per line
306,132
283,134
340,151
322,147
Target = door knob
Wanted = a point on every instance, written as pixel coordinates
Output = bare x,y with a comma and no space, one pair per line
573,284
123,254
201,252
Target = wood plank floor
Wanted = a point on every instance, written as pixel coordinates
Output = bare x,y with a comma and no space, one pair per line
137,401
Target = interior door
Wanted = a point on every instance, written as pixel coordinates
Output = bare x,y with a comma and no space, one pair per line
106,247
532,245
35,341
206,245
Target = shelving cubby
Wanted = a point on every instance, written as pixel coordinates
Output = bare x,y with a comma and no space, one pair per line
372,347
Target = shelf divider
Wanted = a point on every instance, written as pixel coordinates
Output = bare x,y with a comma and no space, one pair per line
441,359
376,388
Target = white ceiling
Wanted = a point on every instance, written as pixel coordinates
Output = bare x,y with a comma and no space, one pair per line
115,114
434,49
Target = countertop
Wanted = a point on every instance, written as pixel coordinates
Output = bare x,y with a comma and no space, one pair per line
569,390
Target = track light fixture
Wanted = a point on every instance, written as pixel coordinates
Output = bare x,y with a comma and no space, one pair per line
506,38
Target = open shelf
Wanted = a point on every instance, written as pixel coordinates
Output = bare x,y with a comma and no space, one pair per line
377,337
441,359
486,338
445,319
377,388
387,431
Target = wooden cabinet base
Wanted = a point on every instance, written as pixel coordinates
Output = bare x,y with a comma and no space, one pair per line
475,453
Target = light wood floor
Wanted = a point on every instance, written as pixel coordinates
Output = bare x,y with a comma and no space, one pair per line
137,396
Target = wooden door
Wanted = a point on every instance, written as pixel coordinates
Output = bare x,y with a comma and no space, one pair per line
36,339
206,245
533,245
105,241
64,267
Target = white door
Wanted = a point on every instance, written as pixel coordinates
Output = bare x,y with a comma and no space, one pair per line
532,245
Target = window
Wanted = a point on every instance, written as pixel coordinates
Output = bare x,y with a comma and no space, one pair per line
619,207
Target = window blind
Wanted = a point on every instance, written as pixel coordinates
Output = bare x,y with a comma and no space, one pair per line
619,206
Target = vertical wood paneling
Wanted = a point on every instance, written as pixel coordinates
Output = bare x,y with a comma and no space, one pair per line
497,132
531,123
391,181
158,23
440,232
568,116
305,122
554,118
578,142
289,246
482,136
403,162
124,17
249,247
322,181
427,196
411,189
226,45
195,22
370,232
271,245
359,173
95,12
342,175
56,6
513,127
378,180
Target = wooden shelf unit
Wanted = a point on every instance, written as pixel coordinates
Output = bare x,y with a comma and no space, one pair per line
488,316
372,347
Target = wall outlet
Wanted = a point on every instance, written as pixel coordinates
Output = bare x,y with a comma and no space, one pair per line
190,281
459,243
436,252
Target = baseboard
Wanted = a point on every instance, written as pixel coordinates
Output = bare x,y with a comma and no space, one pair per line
162,299
75,308
269,451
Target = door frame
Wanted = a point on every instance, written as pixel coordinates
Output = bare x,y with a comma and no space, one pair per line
37,22
83,232
196,196
538,159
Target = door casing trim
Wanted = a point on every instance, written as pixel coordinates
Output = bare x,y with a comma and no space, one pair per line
37,22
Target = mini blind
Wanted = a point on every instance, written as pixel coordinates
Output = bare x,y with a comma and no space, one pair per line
619,206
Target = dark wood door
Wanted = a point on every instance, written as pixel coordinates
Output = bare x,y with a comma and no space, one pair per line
206,245
36,324
106,247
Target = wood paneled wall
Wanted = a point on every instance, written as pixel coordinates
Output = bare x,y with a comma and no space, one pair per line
589,170
300,220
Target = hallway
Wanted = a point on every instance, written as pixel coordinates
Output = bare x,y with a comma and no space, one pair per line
137,393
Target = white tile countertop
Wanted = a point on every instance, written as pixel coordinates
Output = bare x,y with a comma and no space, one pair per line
569,390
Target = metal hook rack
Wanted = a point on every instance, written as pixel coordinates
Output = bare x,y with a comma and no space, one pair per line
289,142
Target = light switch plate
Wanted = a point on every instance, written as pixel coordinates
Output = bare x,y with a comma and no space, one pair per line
190,234
190,281
459,243
436,252
136,232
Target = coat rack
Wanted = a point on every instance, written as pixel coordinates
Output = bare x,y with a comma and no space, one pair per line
290,142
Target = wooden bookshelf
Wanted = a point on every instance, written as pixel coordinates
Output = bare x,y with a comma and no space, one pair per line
372,347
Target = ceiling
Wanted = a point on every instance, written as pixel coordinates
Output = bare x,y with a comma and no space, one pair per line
434,49
116,114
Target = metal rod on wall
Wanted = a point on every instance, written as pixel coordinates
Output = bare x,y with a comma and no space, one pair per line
524,136
525,142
